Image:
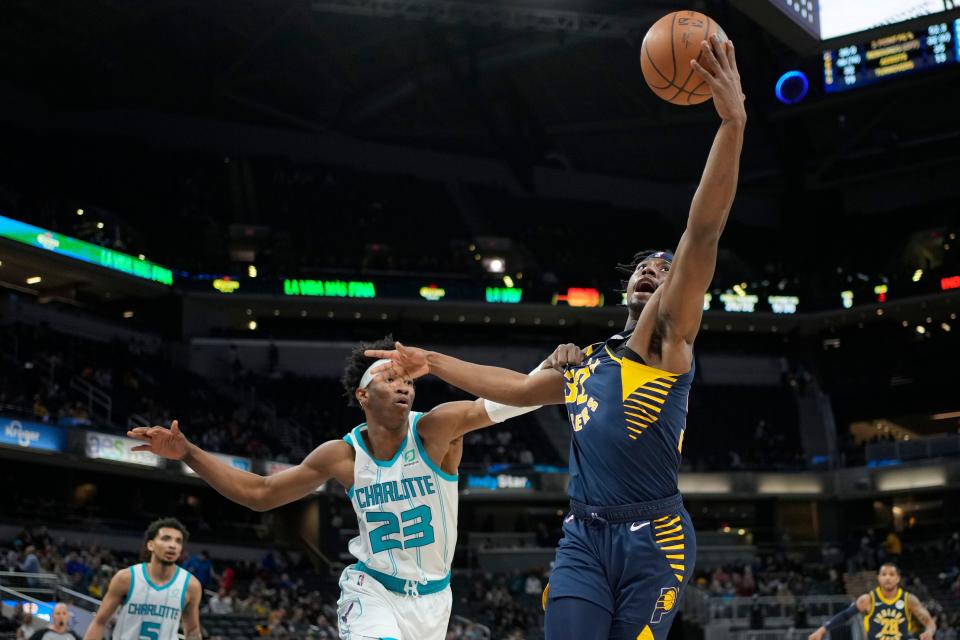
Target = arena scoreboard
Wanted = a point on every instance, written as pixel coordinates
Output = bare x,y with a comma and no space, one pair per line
890,56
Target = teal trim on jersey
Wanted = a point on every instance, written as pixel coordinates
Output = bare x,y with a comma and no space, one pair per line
423,454
146,576
397,585
443,519
349,441
133,581
363,445
183,594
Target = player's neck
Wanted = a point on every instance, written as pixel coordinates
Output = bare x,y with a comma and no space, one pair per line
160,573
384,441
889,593
631,323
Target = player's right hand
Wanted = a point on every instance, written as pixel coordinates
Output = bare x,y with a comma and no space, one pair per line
410,362
818,634
563,355
166,443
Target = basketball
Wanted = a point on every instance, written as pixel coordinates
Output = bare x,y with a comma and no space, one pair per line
665,56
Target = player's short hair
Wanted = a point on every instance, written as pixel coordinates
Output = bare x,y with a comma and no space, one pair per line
357,364
892,565
163,523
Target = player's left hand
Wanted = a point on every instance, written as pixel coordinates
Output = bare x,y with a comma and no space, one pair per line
719,71
407,361
563,355
926,635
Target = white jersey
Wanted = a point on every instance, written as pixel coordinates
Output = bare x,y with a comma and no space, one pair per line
407,511
150,611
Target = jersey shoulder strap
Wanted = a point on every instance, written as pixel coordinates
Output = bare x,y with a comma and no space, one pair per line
132,570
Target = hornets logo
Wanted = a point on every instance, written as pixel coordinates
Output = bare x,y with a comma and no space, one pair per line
665,604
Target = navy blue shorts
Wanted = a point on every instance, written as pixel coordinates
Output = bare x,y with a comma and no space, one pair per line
636,570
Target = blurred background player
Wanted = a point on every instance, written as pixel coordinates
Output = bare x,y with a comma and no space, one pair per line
59,626
400,471
888,611
153,597
629,546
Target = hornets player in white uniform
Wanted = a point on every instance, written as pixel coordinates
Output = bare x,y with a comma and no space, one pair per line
153,597
400,472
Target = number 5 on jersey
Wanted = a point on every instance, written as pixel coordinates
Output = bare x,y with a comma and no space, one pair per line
417,534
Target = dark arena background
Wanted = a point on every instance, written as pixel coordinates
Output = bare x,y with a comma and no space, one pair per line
205,206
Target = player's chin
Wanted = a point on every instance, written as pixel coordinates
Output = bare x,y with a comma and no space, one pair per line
638,300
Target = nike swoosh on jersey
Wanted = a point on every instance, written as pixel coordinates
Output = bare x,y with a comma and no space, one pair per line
636,526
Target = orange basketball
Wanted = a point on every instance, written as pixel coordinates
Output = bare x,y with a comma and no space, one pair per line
665,55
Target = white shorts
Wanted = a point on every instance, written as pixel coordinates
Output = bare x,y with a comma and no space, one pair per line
368,610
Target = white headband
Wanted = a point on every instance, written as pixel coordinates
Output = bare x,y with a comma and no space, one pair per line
367,376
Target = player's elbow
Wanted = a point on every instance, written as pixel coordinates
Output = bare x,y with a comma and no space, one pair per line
257,499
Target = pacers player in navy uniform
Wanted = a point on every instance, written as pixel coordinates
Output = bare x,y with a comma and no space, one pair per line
888,611
153,597
629,547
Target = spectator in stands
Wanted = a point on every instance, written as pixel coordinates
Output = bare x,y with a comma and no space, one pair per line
221,603
199,566
31,564
800,618
893,547
29,625
756,613
58,629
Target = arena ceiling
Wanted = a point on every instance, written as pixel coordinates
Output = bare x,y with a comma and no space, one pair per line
528,83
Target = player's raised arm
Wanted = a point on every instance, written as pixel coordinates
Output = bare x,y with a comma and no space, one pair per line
493,383
680,306
331,459
116,592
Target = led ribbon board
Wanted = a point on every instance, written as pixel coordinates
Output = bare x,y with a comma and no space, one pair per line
79,250
329,288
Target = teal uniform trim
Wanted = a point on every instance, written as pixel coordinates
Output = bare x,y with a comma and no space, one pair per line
363,445
146,576
423,454
397,585
349,441
183,594
133,581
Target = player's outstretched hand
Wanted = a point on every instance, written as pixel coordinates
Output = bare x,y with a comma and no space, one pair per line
818,634
407,361
719,71
563,355
166,443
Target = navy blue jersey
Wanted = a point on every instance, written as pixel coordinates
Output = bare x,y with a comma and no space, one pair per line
888,619
628,423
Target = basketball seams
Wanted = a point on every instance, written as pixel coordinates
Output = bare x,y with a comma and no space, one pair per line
673,47
690,75
675,89
644,49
